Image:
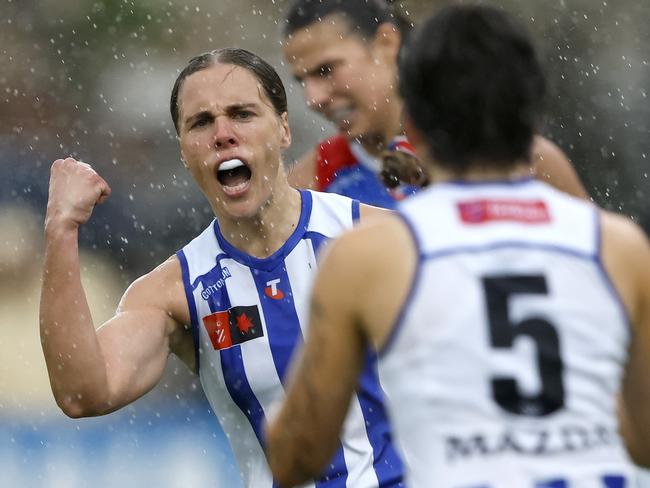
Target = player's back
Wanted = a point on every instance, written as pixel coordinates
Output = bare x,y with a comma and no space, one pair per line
505,366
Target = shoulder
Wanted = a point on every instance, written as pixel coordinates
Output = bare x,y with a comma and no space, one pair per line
619,233
543,146
374,246
368,272
369,213
551,165
162,288
626,256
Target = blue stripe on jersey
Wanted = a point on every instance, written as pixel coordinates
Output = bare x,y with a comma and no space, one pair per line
559,483
388,466
194,317
284,335
356,213
317,240
234,373
614,481
282,324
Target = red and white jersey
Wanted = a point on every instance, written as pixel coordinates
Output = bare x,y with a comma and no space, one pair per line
505,364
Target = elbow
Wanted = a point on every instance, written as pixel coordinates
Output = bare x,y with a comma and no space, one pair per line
76,408
74,411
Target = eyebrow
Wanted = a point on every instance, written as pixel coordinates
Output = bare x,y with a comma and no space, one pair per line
239,106
229,109
314,70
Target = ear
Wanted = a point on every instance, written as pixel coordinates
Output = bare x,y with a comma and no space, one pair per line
285,135
387,42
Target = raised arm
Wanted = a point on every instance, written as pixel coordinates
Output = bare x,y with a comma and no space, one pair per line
95,372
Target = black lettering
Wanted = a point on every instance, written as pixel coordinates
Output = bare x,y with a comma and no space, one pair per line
545,442
463,448
508,444
542,446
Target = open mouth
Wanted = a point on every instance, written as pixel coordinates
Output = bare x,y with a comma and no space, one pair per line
234,176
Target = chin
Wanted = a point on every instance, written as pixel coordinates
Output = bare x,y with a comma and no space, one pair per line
243,208
240,210
350,134
354,132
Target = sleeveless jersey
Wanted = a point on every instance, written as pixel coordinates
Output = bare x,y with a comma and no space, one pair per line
347,169
248,315
504,366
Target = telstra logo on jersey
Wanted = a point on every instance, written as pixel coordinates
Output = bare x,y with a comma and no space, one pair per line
233,326
272,290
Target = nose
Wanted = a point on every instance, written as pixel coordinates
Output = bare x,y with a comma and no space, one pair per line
225,136
318,93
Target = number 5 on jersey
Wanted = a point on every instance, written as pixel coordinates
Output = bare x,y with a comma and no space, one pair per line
503,332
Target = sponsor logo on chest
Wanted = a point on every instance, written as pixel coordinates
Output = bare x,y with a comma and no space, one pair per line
272,289
234,326
210,290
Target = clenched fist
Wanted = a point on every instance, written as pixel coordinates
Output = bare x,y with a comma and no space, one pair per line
75,189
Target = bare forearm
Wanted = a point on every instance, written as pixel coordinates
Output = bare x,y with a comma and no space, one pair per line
293,455
74,360
305,434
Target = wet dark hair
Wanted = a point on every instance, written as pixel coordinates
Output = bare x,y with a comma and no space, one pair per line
363,16
472,83
263,71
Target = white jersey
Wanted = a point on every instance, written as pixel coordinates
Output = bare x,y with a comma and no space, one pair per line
248,315
504,367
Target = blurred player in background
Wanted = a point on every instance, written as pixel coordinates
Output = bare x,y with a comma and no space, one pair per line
232,303
344,53
509,316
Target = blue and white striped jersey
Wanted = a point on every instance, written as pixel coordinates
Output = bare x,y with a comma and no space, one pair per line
248,316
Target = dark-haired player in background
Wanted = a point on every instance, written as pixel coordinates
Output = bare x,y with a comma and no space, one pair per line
344,53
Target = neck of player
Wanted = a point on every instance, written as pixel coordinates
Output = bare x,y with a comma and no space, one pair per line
264,233
377,140
480,171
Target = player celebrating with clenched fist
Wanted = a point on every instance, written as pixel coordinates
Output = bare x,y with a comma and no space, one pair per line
232,303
